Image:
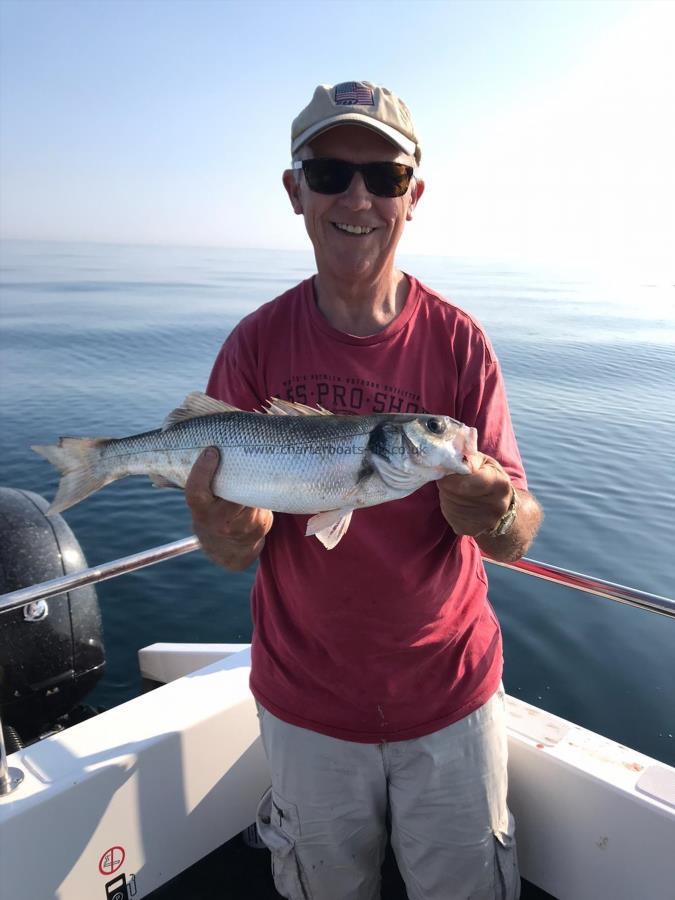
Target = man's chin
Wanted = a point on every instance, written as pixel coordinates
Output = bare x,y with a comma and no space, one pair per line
350,264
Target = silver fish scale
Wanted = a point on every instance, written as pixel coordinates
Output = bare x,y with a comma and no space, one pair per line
254,429
245,430
296,464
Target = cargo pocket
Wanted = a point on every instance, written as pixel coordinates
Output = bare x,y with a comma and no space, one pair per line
279,826
507,877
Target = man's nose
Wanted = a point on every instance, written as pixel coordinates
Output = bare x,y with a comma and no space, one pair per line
357,195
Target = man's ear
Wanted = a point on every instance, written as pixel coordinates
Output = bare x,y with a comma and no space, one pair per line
416,192
292,186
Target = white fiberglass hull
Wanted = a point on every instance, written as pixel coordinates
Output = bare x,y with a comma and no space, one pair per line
144,790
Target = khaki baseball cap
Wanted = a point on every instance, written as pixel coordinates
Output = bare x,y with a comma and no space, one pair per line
357,103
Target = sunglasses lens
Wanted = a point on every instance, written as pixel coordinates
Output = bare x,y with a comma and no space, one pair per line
387,179
327,176
333,176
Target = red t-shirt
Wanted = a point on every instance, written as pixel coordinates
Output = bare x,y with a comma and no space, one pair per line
390,635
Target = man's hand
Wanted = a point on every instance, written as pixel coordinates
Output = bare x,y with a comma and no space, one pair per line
473,505
231,535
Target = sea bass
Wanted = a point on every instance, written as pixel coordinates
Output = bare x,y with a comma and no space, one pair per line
290,458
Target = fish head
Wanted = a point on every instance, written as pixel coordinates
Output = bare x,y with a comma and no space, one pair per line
439,444
409,451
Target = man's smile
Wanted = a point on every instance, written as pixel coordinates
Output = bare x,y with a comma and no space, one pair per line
352,229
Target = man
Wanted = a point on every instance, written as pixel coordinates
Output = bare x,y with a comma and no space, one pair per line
376,665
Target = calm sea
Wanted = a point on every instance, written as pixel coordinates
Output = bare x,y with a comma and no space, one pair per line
101,339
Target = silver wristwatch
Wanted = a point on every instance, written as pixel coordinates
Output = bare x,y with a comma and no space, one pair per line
503,526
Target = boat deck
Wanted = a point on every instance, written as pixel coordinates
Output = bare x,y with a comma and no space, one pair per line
242,873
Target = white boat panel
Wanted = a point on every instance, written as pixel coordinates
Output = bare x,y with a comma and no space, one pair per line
535,723
169,776
160,781
658,782
584,830
166,662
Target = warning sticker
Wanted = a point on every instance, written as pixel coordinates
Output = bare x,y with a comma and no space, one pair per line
111,860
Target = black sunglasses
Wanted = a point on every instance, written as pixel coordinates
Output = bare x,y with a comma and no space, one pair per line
333,176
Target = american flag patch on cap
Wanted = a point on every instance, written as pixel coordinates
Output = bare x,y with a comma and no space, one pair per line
353,93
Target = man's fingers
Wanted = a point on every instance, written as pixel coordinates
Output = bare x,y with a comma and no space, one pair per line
231,535
249,524
486,478
198,486
472,483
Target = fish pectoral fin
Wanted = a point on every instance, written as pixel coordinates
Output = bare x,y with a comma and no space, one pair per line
394,477
278,407
330,527
160,481
195,405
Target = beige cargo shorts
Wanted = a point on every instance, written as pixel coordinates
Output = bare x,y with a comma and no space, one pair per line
326,816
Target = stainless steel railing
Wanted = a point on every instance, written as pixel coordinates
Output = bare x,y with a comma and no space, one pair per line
121,566
585,583
608,589
10,777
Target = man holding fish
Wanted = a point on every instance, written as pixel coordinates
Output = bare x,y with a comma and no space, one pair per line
376,666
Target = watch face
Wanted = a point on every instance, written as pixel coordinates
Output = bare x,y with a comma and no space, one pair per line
506,520
506,523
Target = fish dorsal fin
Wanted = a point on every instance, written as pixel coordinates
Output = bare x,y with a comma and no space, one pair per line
330,527
195,405
278,407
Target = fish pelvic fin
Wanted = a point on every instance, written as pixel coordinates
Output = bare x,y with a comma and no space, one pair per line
330,527
194,406
82,469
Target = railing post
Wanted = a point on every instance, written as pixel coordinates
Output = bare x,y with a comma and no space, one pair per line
10,778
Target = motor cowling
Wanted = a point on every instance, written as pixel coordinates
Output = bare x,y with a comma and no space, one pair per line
51,654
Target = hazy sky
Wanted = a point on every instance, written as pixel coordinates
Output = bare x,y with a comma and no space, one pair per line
548,128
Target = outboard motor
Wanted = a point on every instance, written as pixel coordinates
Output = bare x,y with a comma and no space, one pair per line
51,652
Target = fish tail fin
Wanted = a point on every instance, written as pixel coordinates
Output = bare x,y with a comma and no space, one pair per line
83,471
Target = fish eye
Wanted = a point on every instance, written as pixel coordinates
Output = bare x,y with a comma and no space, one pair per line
436,426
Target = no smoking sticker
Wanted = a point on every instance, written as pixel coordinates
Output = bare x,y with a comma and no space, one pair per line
111,860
